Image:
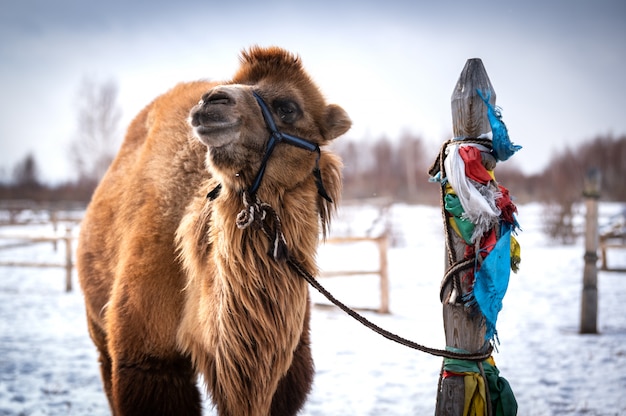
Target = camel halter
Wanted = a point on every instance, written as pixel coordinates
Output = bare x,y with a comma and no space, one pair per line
255,213
277,136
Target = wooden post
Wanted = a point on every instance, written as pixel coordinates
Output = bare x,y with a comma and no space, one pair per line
589,303
463,330
54,219
384,276
68,259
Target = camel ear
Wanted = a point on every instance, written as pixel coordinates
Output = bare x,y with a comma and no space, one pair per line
336,122
330,170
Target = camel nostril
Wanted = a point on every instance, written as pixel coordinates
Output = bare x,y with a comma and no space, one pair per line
218,97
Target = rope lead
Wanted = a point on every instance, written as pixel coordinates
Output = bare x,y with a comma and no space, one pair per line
258,214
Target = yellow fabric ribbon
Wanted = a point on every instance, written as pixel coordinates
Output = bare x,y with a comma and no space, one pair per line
475,397
516,254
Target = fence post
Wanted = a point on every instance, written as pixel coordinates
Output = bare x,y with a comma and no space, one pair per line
589,302
382,243
462,329
68,259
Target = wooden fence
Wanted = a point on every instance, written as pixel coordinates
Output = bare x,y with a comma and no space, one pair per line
382,244
56,219
55,214
22,240
608,242
29,213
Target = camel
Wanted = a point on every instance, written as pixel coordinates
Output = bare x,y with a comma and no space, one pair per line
185,249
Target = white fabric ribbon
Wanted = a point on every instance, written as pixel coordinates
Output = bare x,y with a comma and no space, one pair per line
478,201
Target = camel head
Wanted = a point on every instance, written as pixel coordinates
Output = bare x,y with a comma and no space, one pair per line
270,96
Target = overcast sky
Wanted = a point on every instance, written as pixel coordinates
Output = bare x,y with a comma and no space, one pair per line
557,66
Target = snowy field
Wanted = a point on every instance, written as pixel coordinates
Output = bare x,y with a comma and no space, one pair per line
48,363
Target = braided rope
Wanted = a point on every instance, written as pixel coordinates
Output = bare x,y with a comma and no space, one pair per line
256,215
389,335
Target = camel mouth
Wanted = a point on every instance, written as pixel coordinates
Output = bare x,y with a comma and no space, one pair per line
217,134
213,128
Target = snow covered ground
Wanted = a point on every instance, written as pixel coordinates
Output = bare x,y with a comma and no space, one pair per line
48,364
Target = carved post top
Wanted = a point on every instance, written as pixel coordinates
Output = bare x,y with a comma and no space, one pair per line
469,118
592,183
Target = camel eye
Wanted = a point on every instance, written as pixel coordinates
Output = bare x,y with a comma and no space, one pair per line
288,111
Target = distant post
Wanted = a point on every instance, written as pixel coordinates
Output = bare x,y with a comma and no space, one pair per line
463,330
68,259
384,276
589,303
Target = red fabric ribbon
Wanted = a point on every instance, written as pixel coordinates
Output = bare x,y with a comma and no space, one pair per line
447,374
474,168
506,206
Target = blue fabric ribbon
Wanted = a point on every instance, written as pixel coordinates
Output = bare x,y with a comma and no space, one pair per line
492,280
501,144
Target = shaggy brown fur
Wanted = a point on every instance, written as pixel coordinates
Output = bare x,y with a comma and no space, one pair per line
172,286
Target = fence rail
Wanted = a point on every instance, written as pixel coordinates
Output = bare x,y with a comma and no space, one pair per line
606,244
20,212
68,265
55,219
382,243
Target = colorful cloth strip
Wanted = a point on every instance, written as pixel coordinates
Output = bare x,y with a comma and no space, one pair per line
482,214
503,402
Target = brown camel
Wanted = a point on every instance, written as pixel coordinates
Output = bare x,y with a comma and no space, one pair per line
185,250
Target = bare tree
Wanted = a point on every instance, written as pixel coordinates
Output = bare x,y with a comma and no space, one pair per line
411,156
96,141
25,180
26,173
383,178
3,175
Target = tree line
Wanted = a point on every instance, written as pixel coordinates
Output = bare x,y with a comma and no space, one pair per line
397,170
383,168
90,152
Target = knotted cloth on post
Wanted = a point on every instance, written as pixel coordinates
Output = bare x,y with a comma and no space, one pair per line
481,212
503,402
